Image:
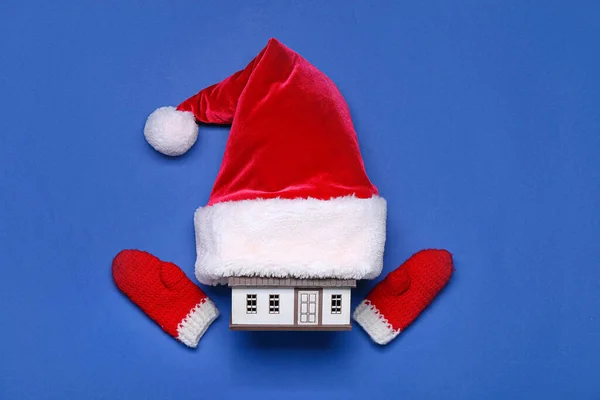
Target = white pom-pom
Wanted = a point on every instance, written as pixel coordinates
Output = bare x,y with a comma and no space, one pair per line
170,131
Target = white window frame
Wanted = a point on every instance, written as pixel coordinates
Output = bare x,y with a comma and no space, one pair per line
274,304
251,300
336,303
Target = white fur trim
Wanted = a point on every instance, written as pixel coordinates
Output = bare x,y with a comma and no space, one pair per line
301,238
374,323
170,131
193,326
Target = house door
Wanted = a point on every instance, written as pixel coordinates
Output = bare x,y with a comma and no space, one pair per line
308,307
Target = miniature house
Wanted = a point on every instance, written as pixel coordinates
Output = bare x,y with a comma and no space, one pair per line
290,304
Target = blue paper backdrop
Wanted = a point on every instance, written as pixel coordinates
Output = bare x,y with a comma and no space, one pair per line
478,121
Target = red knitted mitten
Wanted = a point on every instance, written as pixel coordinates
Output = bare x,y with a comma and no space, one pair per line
165,294
398,300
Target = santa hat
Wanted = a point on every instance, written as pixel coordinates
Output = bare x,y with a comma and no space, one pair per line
292,198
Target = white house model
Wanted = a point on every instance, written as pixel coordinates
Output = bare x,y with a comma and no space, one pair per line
290,304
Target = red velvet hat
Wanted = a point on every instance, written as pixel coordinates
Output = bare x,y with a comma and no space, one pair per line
292,198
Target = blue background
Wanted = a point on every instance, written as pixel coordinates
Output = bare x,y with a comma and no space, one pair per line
478,121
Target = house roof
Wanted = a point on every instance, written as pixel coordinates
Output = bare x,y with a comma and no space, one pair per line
291,282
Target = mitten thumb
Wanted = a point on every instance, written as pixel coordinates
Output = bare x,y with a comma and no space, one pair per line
397,282
170,274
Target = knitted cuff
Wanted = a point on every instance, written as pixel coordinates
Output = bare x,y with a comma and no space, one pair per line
374,323
193,326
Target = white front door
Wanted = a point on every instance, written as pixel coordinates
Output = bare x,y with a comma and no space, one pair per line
308,307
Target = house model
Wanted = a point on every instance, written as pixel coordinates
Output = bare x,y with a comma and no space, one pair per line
290,304
293,220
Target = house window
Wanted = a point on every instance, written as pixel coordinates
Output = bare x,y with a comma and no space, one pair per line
336,303
250,304
273,304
